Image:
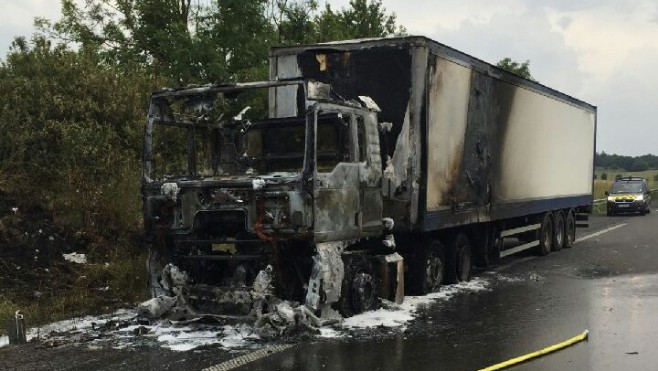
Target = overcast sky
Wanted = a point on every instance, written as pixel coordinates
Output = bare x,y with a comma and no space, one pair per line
604,52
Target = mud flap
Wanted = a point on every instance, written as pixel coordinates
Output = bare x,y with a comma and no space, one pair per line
391,273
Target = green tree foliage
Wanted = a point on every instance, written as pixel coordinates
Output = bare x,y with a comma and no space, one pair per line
184,41
521,69
220,41
362,18
626,163
70,133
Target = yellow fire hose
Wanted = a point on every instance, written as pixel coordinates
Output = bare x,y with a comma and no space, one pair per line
538,353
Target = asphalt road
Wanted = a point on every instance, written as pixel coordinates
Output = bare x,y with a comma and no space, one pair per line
607,283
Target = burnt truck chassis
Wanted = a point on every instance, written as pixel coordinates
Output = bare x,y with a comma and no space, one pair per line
238,242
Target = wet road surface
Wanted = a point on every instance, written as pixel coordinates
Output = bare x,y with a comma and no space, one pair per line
607,284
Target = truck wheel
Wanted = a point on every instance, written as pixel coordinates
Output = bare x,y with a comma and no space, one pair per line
358,291
546,235
428,268
558,238
458,261
570,229
495,245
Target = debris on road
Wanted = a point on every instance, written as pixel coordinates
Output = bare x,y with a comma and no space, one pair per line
130,328
74,257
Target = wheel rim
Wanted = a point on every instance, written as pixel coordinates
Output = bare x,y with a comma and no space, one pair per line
363,292
559,233
464,266
548,236
570,233
433,272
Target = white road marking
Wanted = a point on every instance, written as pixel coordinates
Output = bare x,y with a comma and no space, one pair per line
248,358
586,237
595,234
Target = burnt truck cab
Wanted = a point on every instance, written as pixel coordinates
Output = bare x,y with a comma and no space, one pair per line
230,195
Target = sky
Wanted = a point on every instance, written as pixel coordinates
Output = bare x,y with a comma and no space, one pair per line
601,51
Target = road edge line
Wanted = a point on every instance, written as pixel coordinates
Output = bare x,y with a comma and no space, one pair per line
595,234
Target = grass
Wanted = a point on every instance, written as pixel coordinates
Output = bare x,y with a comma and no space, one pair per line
602,186
88,289
100,218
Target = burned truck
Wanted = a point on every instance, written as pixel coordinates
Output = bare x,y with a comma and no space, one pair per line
366,168
231,197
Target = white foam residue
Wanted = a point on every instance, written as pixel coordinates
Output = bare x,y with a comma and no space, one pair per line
120,329
328,332
80,324
124,335
505,277
74,257
257,184
379,317
183,341
170,189
400,315
237,336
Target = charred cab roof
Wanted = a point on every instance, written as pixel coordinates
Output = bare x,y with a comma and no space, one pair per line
220,88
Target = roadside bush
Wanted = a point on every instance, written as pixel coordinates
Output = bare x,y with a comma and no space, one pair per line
70,150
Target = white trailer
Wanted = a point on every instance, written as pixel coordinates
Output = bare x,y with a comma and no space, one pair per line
472,155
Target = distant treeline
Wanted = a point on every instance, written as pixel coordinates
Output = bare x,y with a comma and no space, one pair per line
625,163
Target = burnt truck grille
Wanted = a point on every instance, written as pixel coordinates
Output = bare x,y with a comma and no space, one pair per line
220,223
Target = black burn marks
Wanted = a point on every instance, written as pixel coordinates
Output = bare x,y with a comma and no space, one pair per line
382,73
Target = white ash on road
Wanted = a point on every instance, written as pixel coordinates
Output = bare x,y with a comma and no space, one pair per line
123,329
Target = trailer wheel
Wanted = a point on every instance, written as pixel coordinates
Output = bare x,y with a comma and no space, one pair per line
570,229
546,235
495,245
458,261
558,239
358,290
428,268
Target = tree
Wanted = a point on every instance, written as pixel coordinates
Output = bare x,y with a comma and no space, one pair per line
363,18
74,147
521,69
639,164
187,42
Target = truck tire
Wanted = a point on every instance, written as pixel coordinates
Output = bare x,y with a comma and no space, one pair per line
546,235
458,259
428,268
570,229
358,290
558,231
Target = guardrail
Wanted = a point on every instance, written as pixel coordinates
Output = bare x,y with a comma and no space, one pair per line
599,205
